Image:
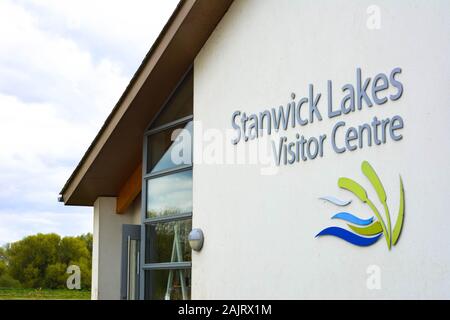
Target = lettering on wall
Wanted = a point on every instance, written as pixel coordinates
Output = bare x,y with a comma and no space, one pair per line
365,93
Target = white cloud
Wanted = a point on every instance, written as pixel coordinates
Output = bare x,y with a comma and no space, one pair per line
120,28
44,66
63,66
28,223
39,149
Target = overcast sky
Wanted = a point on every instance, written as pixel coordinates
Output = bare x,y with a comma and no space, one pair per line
63,66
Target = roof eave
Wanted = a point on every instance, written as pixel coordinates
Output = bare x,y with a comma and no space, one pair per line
183,21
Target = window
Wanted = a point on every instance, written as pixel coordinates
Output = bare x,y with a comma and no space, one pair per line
167,188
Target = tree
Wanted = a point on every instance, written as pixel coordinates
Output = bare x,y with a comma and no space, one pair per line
75,251
55,276
2,267
29,258
88,240
6,281
42,260
2,261
72,249
86,272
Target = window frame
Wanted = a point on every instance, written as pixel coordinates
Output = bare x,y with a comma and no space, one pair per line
185,265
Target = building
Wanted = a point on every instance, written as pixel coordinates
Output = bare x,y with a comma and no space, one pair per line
301,111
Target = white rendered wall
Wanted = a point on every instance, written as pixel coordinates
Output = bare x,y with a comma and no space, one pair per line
107,246
260,230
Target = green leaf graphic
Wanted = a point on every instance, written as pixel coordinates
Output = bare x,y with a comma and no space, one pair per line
354,187
370,173
401,212
373,229
357,190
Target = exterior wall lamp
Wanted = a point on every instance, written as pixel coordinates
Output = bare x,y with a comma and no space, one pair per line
195,239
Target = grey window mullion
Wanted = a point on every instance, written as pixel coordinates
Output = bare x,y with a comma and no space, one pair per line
174,217
166,172
169,125
168,265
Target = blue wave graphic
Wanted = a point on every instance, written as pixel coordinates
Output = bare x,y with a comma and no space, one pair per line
352,219
348,236
336,201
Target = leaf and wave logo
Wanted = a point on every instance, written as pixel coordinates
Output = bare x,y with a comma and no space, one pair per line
366,232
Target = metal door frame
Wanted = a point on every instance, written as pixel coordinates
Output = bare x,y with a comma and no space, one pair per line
129,232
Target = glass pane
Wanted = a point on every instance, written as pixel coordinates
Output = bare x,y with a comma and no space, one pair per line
168,241
170,194
133,269
170,148
168,284
179,106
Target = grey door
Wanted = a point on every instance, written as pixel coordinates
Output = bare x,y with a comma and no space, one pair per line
131,238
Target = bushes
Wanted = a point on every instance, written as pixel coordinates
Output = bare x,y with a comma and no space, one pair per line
2,267
55,276
41,261
6,281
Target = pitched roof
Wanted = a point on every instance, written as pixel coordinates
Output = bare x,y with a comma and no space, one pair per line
117,149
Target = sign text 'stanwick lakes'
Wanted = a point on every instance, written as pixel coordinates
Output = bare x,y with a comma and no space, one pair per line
302,112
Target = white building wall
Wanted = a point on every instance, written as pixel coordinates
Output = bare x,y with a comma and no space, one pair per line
260,230
107,246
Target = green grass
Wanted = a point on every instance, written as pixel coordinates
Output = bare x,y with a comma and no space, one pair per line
44,294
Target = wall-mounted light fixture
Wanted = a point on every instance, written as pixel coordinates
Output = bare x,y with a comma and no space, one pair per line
196,239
